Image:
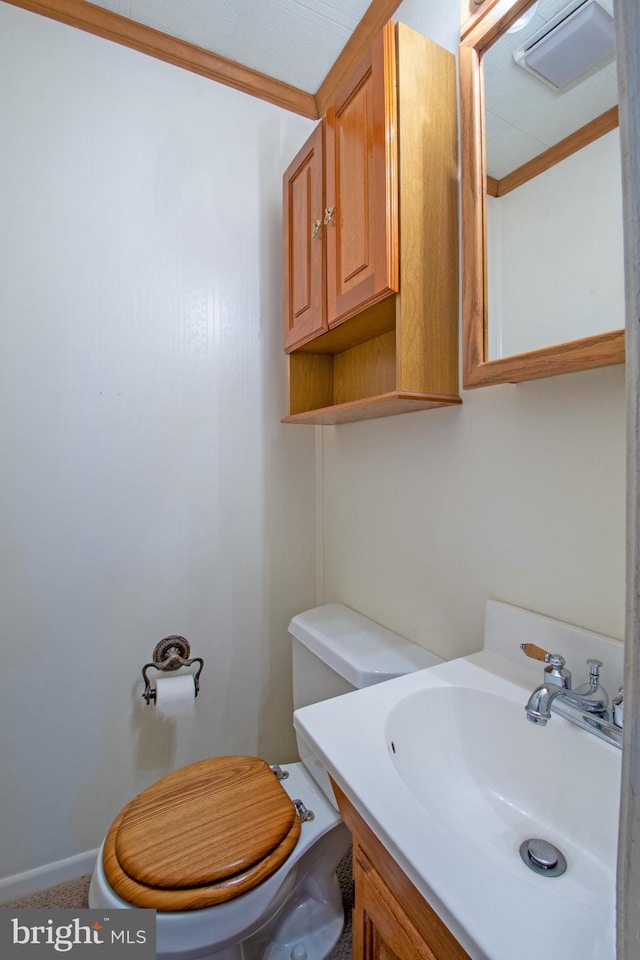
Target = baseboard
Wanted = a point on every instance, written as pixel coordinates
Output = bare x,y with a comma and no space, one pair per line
32,881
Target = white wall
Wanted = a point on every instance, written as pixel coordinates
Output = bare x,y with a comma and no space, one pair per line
556,255
147,486
517,495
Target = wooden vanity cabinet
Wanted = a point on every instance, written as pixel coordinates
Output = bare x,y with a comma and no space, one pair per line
391,919
371,241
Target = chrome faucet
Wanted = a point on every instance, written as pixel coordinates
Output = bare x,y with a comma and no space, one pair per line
591,697
587,706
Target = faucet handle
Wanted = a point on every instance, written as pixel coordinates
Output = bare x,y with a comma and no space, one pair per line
594,668
535,652
556,672
617,705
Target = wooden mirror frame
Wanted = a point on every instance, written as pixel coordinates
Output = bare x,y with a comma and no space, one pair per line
477,370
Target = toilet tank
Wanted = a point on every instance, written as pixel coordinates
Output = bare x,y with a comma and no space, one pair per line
335,651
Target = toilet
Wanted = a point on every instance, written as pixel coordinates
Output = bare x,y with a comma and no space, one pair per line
238,857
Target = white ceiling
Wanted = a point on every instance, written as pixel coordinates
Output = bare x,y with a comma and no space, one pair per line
524,116
296,41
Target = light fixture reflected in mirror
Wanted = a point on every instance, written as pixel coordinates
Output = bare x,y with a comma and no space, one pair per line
578,41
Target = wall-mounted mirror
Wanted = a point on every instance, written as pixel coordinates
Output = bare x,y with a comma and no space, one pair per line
542,245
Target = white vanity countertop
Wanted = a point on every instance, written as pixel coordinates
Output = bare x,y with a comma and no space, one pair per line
461,852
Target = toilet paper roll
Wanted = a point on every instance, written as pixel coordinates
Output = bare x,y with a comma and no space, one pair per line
175,696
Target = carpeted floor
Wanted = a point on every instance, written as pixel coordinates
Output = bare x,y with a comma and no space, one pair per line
74,895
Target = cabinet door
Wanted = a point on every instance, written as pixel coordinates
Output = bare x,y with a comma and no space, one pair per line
381,928
303,244
362,238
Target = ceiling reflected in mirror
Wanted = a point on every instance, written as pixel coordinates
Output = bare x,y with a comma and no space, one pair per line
524,114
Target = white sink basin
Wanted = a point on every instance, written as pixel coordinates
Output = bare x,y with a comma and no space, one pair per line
447,771
486,773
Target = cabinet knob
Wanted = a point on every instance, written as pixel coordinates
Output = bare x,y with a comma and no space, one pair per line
317,224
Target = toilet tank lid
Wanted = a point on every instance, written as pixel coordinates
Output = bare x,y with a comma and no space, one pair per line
360,650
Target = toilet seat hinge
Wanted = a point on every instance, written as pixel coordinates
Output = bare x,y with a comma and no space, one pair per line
303,812
279,772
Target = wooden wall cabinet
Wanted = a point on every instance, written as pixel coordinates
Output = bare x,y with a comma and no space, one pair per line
371,241
391,919
340,205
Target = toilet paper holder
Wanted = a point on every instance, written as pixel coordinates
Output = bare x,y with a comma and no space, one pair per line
171,654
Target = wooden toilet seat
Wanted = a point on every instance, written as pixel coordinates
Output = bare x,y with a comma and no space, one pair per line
200,836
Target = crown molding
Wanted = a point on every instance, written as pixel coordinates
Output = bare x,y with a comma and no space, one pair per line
111,26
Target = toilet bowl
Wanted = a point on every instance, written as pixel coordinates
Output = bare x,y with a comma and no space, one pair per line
238,858
265,920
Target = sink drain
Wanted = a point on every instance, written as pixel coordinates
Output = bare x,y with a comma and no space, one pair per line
543,857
